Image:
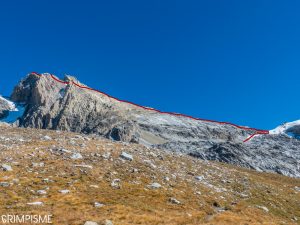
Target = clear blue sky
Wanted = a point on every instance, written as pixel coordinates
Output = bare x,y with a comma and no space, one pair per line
236,61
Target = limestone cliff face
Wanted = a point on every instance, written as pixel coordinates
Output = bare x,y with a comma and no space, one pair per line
54,105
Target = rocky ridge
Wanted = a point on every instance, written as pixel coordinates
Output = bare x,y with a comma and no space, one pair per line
54,105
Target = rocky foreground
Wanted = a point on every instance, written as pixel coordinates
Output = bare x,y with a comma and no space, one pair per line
79,178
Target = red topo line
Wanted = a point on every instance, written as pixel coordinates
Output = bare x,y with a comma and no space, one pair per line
257,131
249,138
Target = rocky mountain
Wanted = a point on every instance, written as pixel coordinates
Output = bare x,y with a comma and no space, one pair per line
53,104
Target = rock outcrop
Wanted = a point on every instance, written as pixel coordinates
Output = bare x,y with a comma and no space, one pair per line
54,105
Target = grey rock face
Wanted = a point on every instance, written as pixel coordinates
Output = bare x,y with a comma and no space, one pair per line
54,105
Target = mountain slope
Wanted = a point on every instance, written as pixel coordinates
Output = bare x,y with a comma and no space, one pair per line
54,105
77,178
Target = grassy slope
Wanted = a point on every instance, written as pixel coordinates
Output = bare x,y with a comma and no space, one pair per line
226,195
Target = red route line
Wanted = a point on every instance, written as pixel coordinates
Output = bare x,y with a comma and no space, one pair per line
257,131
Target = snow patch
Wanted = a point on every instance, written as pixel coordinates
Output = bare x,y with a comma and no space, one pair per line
290,128
11,105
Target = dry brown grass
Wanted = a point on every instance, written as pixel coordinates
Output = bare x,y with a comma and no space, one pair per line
134,203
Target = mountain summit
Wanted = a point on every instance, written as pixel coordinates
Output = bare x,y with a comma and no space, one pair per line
63,105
